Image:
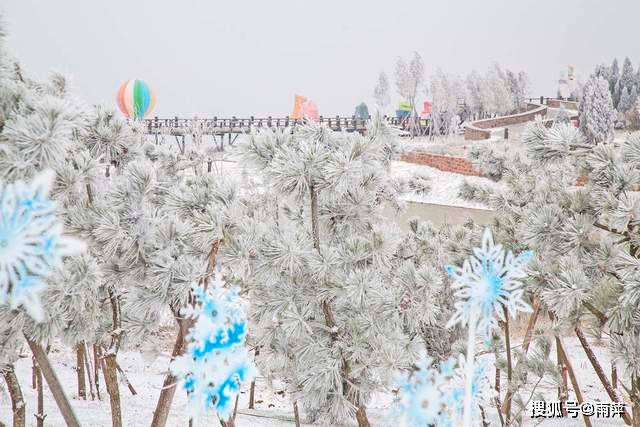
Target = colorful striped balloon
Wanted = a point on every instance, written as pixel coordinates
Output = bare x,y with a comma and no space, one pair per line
136,99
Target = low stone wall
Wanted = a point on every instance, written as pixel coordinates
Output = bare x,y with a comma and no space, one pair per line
478,130
556,103
444,163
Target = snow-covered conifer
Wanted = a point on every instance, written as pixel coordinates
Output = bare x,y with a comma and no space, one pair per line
381,92
320,268
596,112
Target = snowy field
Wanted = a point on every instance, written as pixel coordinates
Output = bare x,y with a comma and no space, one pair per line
272,407
444,185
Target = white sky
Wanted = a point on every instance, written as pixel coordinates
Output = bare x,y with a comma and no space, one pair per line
244,57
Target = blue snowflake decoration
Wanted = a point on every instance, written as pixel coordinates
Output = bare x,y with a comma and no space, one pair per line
481,391
32,245
486,281
216,363
434,396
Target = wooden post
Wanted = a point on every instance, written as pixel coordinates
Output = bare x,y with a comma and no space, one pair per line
506,133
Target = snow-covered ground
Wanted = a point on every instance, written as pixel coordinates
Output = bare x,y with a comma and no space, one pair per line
273,407
444,185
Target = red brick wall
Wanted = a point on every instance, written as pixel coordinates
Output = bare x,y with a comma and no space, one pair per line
444,163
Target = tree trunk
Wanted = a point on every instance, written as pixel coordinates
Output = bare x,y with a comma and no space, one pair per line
252,394
163,406
351,395
252,388
599,371
526,342
635,400
614,375
528,334
34,380
40,415
54,385
88,370
80,372
572,376
113,389
17,400
563,389
235,407
296,414
109,366
506,406
96,370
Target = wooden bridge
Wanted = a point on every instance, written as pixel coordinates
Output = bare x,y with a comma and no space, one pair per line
219,126
232,127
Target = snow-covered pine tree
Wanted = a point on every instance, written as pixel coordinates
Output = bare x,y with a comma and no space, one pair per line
596,112
409,83
319,265
613,77
381,92
628,100
445,92
562,116
38,123
586,236
626,81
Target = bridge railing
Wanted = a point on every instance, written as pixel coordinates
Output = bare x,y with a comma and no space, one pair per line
242,124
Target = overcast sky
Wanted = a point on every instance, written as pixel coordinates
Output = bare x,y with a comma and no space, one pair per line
244,57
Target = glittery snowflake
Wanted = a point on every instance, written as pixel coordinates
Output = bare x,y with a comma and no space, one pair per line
217,362
434,395
486,281
481,391
32,245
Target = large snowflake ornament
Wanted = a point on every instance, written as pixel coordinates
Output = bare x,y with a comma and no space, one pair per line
486,281
217,362
434,395
481,391
32,245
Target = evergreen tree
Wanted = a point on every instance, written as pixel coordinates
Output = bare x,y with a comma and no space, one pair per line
596,111
323,268
613,76
585,268
628,100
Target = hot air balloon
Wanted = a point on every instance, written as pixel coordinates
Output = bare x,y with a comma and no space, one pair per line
136,99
